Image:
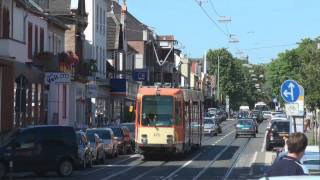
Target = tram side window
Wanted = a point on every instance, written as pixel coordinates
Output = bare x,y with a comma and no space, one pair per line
186,113
177,113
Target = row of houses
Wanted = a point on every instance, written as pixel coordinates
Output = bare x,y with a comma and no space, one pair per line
81,62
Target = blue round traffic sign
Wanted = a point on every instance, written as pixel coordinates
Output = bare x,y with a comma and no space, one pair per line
290,91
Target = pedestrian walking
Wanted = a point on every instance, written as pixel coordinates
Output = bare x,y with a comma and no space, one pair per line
290,165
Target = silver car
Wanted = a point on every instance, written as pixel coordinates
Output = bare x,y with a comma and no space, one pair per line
108,142
210,127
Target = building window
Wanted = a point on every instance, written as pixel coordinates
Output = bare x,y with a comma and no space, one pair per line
4,19
30,40
64,101
97,18
101,59
36,39
41,39
104,23
100,20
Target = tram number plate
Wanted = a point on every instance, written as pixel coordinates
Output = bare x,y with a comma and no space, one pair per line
156,134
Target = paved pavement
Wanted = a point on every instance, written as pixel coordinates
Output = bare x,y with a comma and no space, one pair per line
221,157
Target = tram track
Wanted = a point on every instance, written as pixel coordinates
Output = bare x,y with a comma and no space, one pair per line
152,169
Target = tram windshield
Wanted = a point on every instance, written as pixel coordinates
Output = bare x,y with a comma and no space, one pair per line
157,111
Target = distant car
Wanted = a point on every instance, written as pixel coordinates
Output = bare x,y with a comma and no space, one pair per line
211,127
40,149
278,129
123,140
99,155
266,114
257,115
131,127
245,127
84,149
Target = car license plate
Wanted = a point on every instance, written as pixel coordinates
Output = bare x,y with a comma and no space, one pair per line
246,128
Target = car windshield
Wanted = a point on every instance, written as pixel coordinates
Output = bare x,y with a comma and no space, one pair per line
157,111
245,122
117,132
280,126
208,121
103,134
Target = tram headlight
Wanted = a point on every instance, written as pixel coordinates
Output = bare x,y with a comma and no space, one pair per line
144,139
169,139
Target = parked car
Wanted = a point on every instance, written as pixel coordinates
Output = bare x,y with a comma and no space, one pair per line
85,150
109,145
210,126
278,129
132,128
122,137
266,114
99,155
40,149
245,127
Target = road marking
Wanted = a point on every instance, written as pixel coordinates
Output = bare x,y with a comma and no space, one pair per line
253,160
208,165
236,160
264,142
181,167
222,138
121,172
147,172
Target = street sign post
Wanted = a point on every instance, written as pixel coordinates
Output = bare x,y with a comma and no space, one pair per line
290,91
293,94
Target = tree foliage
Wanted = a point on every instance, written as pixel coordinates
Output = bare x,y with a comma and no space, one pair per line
235,79
301,64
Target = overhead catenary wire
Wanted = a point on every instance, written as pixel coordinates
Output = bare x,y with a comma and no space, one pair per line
214,8
269,47
211,19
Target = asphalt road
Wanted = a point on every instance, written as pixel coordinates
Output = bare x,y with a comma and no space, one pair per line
220,157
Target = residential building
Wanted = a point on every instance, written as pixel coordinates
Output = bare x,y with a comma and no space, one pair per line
23,34
72,104
96,50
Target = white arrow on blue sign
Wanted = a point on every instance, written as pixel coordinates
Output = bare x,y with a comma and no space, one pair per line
290,91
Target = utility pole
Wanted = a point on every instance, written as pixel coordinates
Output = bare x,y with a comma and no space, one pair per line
218,79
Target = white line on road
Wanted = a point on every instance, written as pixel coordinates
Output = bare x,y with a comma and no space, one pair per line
181,167
264,142
253,160
147,172
217,156
121,172
222,137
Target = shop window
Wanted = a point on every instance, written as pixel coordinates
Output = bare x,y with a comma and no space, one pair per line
64,101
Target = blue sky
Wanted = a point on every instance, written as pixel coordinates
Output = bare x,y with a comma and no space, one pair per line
257,24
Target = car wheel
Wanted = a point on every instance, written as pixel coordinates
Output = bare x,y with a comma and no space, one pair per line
3,170
90,163
103,158
236,136
65,168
